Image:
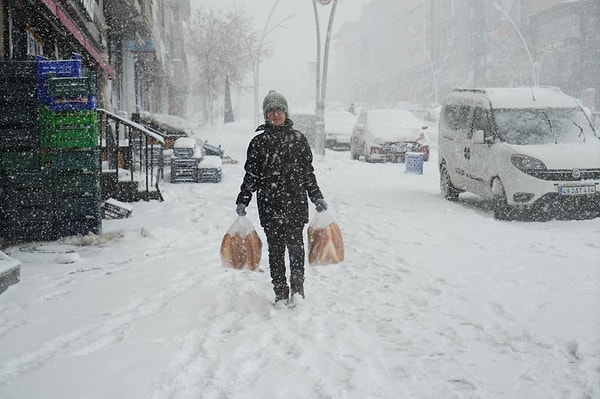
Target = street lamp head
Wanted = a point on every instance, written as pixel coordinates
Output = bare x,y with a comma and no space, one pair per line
324,2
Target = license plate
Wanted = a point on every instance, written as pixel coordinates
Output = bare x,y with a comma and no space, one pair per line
576,190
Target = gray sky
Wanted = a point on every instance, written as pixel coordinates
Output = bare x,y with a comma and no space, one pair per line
294,42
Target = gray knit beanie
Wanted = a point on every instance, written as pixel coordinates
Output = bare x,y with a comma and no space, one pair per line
274,100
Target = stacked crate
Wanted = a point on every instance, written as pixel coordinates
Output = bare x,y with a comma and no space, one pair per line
25,193
70,145
184,164
49,154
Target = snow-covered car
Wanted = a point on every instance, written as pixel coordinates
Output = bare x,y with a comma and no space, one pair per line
338,129
386,135
526,149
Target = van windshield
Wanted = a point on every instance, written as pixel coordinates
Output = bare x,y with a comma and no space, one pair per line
543,126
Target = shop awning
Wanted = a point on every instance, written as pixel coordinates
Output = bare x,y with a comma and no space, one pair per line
64,18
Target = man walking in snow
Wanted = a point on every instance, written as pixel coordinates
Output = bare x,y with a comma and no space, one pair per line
279,168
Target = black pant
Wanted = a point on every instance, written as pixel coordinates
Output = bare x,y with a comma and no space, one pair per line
280,236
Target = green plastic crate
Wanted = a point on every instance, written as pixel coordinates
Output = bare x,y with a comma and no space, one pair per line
75,160
76,185
67,119
25,180
72,87
19,115
18,71
17,161
70,137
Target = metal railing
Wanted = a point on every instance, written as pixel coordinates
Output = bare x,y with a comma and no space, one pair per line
129,146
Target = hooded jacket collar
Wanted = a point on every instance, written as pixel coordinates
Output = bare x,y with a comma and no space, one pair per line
268,127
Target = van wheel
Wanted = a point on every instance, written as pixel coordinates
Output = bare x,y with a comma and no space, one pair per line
449,192
502,211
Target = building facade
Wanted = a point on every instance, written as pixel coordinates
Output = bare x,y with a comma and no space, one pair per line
442,44
135,47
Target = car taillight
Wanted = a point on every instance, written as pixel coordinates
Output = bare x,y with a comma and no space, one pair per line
377,150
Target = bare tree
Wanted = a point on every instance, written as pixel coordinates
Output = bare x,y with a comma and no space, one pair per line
222,44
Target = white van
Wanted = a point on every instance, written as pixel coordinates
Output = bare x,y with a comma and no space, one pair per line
525,149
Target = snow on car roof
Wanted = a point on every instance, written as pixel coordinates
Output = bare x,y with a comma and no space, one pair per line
394,124
523,97
339,122
392,118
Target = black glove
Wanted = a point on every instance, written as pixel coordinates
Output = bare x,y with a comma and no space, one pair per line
321,205
241,209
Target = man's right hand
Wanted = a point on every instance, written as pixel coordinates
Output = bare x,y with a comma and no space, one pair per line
241,209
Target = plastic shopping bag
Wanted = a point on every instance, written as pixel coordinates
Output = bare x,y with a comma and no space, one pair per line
325,241
241,246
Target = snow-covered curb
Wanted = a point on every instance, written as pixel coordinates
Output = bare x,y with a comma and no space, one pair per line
10,271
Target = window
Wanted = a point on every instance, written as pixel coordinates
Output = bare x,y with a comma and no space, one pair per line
463,122
449,116
481,121
34,43
457,117
88,5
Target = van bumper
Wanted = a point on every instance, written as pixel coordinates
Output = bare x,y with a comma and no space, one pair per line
555,204
543,195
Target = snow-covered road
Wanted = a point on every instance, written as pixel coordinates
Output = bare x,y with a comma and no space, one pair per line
434,300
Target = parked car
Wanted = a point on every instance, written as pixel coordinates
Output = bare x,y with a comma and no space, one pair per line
338,129
525,149
386,135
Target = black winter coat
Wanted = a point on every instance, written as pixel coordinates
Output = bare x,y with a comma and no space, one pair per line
279,168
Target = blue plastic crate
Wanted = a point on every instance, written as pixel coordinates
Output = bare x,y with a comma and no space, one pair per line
74,104
59,68
56,69
414,163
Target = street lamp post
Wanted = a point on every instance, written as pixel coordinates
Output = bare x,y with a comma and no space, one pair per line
533,74
321,81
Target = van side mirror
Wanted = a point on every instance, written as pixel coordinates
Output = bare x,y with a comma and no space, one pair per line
478,137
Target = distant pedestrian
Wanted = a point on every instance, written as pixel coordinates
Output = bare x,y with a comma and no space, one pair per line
279,169
351,109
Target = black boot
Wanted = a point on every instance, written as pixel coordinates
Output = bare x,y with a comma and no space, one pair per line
282,293
297,283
